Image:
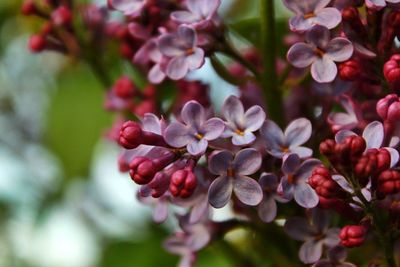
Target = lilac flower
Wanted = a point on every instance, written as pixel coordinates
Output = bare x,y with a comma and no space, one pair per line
160,212
314,233
312,12
240,125
379,4
345,120
282,143
294,182
233,177
267,208
195,131
321,53
128,7
193,238
181,47
200,13
336,258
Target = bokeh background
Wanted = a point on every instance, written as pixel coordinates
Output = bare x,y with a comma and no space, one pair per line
63,202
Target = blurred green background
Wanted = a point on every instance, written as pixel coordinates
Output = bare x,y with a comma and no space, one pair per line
63,202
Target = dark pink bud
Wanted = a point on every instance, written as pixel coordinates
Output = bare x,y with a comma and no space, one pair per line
62,16
349,70
130,135
183,183
389,183
391,69
388,108
142,170
28,8
124,87
160,184
327,148
373,162
322,182
352,235
37,43
47,28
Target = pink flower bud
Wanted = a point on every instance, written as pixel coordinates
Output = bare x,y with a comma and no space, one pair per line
373,162
388,108
391,69
124,87
62,16
349,70
322,182
37,43
389,182
183,183
28,8
130,135
352,235
142,170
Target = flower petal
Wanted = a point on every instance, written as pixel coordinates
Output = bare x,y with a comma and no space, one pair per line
343,134
339,49
232,109
394,156
243,139
319,36
305,169
177,68
160,211
323,70
302,152
290,163
298,228
204,8
273,135
247,190
212,128
193,114
305,196
156,75
300,24
298,132
197,147
177,135
247,161
128,7
268,181
185,16
195,60
267,209
301,55
310,251
220,162
332,237
374,134
220,191
329,17
254,118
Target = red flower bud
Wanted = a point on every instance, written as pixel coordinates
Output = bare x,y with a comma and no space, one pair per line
349,70
388,108
183,183
373,162
389,183
352,235
62,16
391,69
322,182
142,170
130,135
350,150
37,43
28,8
327,148
124,87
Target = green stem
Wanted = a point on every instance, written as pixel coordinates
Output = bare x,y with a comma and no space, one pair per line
272,94
237,258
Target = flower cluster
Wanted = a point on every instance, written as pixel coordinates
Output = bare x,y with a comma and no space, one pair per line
323,144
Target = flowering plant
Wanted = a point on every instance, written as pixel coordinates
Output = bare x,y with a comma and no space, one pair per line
297,150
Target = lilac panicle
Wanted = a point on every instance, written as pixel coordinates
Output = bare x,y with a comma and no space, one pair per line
195,131
233,174
321,53
240,125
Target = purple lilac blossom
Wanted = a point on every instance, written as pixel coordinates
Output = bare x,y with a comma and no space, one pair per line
315,233
233,174
379,4
312,12
281,143
321,53
128,7
294,182
240,125
200,13
182,50
195,131
347,120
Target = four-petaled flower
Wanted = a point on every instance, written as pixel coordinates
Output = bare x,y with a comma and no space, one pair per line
314,233
312,12
294,182
336,258
281,143
200,13
321,53
233,171
379,4
181,47
128,7
240,125
196,130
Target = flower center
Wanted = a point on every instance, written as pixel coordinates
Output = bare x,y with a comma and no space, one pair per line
319,52
230,172
239,132
309,15
291,179
285,149
199,136
190,51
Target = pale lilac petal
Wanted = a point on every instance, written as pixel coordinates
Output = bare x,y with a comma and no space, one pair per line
394,156
298,228
232,109
199,238
193,114
345,120
203,8
301,55
198,212
220,191
268,181
267,209
195,60
160,212
303,7
197,147
375,4
187,36
247,190
305,169
300,24
139,31
337,254
321,4
332,237
177,68
184,16
171,46
305,196
310,251
339,49
323,70
254,118
340,180
156,75
187,259
290,163
320,219
247,161
286,189
298,132
374,134
273,135
220,162
302,152
177,135
329,17
319,36
243,139
342,135
212,128
128,7
151,123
